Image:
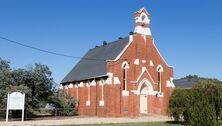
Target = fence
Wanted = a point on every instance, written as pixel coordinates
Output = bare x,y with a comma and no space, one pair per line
38,114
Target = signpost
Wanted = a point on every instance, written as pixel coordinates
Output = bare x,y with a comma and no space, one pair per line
15,101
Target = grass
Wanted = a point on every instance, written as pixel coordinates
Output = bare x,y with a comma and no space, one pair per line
134,124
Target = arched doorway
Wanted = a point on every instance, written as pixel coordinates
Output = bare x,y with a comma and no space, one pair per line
144,88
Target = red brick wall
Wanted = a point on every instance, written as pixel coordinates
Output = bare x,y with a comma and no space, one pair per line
143,50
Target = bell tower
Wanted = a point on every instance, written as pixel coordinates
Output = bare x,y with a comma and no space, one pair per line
142,21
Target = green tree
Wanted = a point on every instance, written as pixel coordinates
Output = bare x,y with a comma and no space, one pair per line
5,79
37,83
179,103
201,105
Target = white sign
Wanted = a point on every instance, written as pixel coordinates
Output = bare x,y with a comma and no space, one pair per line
15,101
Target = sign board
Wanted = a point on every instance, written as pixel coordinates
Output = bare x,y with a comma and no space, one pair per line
15,101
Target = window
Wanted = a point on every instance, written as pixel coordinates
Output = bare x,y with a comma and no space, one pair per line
125,66
159,71
159,80
143,20
143,17
124,77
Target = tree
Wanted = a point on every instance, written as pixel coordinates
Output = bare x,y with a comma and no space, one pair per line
179,102
38,80
201,105
37,83
5,79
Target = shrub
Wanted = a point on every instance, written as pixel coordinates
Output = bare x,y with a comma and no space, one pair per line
65,103
179,102
201,105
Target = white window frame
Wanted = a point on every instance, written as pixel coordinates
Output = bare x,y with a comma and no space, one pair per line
159,70
125,66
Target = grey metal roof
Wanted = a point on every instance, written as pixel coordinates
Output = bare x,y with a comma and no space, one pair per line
93,64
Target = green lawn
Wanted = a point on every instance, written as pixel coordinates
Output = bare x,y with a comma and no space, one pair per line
134,124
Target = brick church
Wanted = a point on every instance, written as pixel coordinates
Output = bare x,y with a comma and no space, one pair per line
127,77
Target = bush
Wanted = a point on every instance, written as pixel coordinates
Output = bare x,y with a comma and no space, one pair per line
179,103
201,105
65,103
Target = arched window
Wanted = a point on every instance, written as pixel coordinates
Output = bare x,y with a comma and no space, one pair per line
159,71
143,17
124,77
125,66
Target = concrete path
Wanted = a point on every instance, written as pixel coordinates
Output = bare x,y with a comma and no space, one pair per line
87,120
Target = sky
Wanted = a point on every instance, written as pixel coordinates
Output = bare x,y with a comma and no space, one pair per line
186,32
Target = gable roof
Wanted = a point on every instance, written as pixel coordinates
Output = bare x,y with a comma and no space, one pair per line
93,64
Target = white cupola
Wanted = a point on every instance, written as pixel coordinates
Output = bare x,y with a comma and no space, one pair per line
142,21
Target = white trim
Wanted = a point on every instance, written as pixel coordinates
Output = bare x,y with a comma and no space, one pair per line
125,63
136,62
102,82
116,80
87,103
143,61
142,30
169,83
93,83
88,84
81,84
125,93
141,74
101,103
151,63
109,79
161,55
141,10
76,86
161,68
139,18
136,92
160,94
147,83
70,85
149,88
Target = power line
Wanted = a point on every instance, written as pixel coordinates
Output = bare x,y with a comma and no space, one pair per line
49,52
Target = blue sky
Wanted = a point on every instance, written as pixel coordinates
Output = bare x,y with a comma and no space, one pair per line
187,32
